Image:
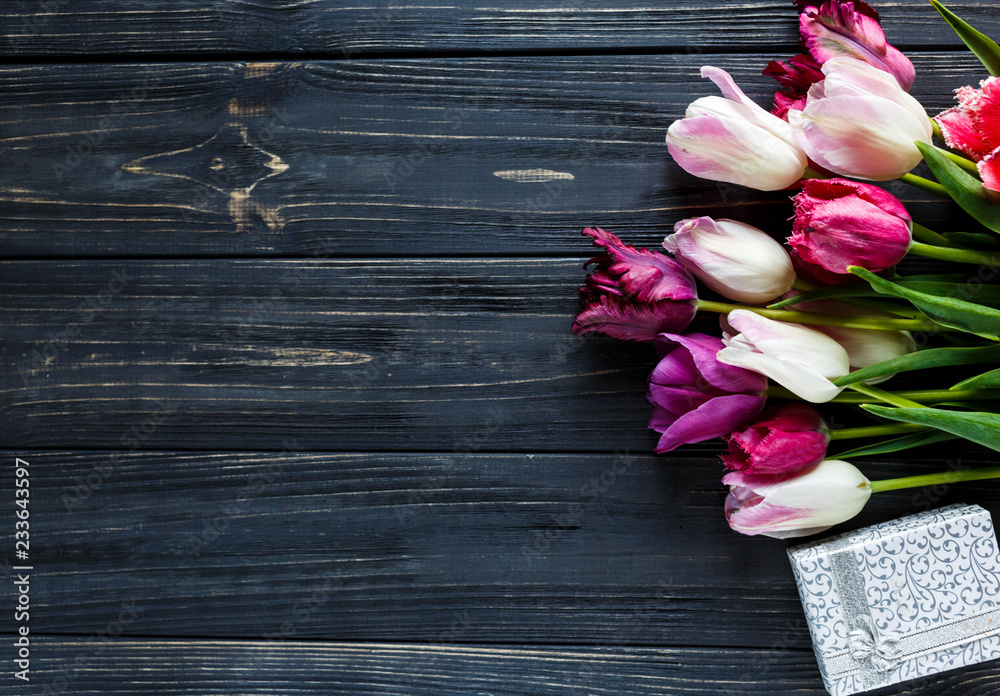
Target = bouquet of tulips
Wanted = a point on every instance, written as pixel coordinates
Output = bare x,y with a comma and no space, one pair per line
828,317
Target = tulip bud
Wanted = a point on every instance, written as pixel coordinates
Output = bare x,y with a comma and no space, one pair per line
802,360
736,260
733,139
859,122
840,223
797,504
785,438
634,294
694,396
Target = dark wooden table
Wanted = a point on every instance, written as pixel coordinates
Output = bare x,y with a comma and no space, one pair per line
285,294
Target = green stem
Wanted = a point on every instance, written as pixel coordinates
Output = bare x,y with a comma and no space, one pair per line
930,236
803,285
960,255
963,162
882,395
919,395
880,323
876,431
937,130
925,184
934,479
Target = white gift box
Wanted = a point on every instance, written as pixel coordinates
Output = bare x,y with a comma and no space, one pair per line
902,599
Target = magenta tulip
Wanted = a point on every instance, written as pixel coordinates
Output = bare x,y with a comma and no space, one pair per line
840,223
795,504
634,294
785,438
694,396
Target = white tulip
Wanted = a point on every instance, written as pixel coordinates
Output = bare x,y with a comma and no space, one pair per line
736,260
801,359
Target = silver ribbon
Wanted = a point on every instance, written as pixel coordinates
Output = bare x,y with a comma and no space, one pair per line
874,656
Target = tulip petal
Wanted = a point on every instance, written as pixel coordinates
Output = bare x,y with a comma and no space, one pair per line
629,321
799,378
714,418
646,275
989,170
791,342
703,351
848,135
735,151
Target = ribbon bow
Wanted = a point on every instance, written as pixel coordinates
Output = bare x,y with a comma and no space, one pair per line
882,654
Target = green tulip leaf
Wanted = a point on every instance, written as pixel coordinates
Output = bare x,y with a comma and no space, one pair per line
965,189
974,240
979,427
947,311
983,46
896,444
987,380
922,359
988,295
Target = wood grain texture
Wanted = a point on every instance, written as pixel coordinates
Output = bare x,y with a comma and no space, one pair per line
341,355
326,27
212,668
455,547
373,158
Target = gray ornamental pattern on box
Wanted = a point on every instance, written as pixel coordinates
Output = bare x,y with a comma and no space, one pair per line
902,599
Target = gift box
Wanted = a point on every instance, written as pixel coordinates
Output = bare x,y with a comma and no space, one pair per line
902,599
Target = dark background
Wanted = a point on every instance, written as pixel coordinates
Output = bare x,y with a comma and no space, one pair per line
285,341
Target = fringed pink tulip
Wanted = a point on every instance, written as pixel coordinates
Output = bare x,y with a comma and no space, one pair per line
840,223
796,504
733,139
694,396
838,29
973,128
634,294
859,122
734,259
785,438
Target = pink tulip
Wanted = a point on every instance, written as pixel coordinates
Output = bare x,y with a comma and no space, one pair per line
796,504
734,259
859,122
634,294
694,396
732,139
973,127
839,29
785,438
840,223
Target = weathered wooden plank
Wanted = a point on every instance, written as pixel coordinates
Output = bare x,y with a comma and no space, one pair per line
451,547
371,158
367,669
342,355
328,28
88,666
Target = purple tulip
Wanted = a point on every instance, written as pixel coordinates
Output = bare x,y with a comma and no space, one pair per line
840,223
795,504
785,438
694,396
634,294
